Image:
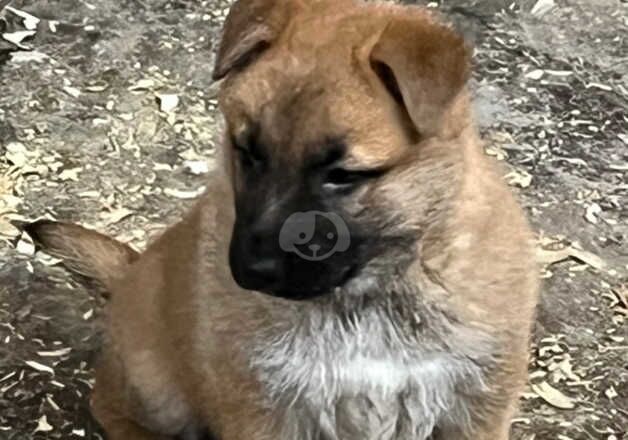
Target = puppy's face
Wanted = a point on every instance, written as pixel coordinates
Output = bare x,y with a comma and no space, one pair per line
329,117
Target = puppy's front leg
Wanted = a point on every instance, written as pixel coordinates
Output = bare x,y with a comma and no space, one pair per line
116,424
498,428
112,405
120,429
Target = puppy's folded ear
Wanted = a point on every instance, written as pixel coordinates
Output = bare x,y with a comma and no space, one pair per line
423,64
250,28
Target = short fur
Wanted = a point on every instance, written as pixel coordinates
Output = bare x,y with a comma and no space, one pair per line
426,338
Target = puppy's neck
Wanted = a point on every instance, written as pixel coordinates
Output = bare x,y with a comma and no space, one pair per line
383,324
388,348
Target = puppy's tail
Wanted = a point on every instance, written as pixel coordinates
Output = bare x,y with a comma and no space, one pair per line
83,251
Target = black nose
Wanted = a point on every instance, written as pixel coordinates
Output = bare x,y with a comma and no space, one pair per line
261,273
266,270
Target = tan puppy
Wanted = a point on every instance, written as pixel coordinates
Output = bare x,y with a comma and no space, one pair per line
357,269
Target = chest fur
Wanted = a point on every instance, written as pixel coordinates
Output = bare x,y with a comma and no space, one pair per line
366,382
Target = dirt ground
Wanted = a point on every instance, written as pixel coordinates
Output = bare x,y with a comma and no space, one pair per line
108,118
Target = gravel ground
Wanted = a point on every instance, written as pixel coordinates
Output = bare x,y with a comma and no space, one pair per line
88,133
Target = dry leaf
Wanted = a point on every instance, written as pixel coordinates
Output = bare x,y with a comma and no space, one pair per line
162,167
7,230
43,425
47,260
197,167
495,151
143,84
592,212
599,86
550,252
167,102
72,91
562,371
550,349
542,7
17,38
55,353
588,257
25,245
29,21
16,153
40,367
70,174
52,403
115,215
561,73
97,87
27,56
520,178
611,393
552,396
180,194
89,194
535,74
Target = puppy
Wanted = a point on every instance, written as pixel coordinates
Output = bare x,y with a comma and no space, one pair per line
357,269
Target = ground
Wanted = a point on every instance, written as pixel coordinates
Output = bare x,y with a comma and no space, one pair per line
108,118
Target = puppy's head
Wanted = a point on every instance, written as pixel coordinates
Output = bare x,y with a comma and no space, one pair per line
340,123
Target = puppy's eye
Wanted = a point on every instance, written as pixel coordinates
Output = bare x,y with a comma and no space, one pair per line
245,156
248,155
341,178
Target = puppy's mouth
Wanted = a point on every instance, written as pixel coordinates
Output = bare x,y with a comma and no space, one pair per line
300,291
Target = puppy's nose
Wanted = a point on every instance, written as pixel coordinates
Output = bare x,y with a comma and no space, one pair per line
264,272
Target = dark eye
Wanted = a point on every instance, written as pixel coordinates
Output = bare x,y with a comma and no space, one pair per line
341,178
245,156
248,155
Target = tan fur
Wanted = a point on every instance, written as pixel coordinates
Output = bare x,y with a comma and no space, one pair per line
84,251
179,327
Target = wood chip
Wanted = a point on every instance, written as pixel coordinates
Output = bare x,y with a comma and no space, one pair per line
70,174
40,367
30,22
180,194
592,212
197,167
542,7
43,425
16,38
611,393
72,91
167,102
546,256
552,396
535,74
55,353
116,215
520,178
599,86
143,84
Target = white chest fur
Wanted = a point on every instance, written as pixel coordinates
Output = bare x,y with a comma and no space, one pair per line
363,382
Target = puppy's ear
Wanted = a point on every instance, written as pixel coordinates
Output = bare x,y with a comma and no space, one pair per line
423,64
250,28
